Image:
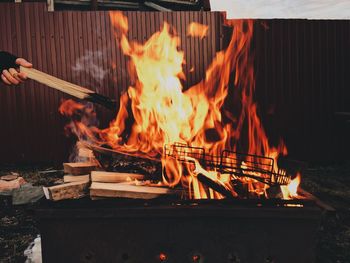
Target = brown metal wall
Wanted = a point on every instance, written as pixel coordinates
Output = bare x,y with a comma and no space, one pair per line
302,79
31,127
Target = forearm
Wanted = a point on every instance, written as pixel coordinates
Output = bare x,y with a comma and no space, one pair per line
7,61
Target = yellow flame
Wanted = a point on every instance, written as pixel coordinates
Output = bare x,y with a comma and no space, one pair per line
291,190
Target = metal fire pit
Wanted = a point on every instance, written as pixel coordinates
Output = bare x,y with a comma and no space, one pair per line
211,231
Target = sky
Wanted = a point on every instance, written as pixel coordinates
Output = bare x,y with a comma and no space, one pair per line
311,9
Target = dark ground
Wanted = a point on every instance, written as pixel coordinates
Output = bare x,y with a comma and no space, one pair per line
330,183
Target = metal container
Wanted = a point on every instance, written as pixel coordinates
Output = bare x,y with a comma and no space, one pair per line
178,232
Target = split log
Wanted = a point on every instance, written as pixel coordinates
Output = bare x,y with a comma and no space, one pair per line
76,178
126,190
79,168
113,177
72,190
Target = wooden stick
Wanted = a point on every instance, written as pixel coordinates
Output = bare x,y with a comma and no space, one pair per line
215,185
69,88
321,204
56,83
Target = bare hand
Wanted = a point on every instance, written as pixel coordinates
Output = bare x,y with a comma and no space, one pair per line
13,77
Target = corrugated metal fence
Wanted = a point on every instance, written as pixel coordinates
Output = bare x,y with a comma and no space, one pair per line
302,70
303,79
78,47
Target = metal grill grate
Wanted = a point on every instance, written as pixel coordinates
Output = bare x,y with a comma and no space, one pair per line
252,166
181,152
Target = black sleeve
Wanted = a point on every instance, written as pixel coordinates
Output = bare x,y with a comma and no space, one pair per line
7,61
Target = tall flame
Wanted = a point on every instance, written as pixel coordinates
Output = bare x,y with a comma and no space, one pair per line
218,113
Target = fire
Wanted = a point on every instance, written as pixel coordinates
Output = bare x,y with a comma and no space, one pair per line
197,30
291,190
69,107
218,113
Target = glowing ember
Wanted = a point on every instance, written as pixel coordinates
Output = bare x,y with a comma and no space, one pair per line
163,113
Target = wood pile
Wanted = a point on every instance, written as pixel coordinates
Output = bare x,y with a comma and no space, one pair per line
83,179
76,182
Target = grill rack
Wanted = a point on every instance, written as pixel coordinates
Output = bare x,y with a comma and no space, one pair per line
257,167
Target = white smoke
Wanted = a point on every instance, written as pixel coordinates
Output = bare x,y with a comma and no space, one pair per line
88,64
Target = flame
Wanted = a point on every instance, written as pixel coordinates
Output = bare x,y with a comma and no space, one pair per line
291,190
217,113
69,107
197,30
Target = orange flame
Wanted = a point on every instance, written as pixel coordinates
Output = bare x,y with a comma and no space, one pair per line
69,107
197,30
218,113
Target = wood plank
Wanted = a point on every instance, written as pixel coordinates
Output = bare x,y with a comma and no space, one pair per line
79,168
72,190
113,177
125,190
76,178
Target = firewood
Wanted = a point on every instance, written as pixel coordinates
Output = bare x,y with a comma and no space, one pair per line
216,186
79,168
114,161
76,178
72,190
126,190
69,88
113,177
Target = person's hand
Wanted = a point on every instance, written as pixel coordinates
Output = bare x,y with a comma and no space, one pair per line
12,77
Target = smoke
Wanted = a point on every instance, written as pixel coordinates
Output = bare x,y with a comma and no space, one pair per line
88,65
83,124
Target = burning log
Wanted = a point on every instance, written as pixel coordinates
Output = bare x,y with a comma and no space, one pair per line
112,177
125,190
216,186
76,178
79,168
115,161
72,190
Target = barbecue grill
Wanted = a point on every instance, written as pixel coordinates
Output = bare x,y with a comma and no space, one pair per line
205,231
256,167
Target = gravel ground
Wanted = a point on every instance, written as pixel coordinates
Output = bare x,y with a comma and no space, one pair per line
330,183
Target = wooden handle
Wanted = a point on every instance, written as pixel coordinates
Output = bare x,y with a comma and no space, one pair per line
56,83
